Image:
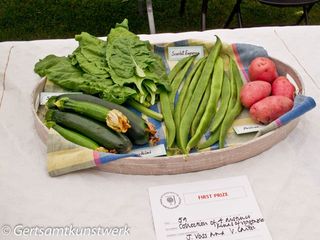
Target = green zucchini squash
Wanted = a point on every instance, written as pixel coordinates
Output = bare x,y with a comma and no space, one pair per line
114,119
112,141
75,137
140,132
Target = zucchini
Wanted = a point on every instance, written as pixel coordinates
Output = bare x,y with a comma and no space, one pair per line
113,141
140,132
75,137
114,119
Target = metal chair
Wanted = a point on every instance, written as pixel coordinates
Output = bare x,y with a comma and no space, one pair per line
236,10
204,9
152,27
305,4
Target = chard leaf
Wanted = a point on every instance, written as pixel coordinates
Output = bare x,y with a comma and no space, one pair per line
60,71
131,61
91,55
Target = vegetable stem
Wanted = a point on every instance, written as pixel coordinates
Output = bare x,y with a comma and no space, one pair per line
168,118
144,110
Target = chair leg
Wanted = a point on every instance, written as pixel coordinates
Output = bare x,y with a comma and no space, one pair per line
305,13
239,17
204,9
236,10
150,17
305,16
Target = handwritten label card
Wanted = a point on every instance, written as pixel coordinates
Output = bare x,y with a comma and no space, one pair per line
177,53
220,209
154,151
248,128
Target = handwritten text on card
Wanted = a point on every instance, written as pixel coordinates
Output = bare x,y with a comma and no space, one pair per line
223,209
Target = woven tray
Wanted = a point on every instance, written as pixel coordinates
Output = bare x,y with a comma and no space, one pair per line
194,161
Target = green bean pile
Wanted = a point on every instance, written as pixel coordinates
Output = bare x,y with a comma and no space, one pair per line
208,100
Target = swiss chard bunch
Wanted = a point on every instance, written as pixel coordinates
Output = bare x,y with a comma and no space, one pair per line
131,62
119,69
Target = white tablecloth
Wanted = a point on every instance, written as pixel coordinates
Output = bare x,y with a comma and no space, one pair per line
285,178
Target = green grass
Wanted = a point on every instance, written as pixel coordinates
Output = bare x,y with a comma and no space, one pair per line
43,19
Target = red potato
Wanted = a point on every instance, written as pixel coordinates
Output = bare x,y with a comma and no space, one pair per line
283,87
270,108
252,92
263,68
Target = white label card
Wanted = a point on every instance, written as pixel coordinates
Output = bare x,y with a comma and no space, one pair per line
247,128
155,151
223,209
177,53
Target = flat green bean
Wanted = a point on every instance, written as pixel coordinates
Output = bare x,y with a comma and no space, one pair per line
201,110
225,97
210,105
168,119
215,128
192,86
178,79
183,93
172,74
214,137
236,107
191,110
221,112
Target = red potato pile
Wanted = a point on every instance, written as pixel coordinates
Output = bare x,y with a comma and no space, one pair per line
267,95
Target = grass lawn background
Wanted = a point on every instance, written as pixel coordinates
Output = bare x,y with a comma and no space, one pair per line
43,19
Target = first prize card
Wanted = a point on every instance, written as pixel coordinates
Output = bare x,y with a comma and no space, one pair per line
218,209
